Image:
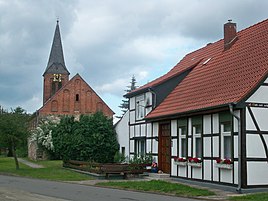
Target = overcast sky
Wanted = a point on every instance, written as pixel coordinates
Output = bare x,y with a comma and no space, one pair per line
108,41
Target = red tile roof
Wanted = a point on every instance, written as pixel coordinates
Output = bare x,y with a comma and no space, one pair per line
228,77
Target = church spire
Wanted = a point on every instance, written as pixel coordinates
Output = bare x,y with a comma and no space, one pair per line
56,64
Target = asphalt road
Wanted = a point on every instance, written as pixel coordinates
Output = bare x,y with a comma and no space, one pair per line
25,189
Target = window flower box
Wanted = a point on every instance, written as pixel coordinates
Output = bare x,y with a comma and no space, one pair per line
180,161
194,162
224,164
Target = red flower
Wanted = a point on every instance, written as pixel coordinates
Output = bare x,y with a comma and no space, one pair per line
224,161
178,159
194,160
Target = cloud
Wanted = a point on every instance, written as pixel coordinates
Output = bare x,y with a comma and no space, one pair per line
107,41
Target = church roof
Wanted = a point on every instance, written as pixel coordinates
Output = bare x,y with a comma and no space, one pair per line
56,62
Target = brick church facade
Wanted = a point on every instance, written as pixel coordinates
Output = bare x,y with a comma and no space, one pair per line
64,96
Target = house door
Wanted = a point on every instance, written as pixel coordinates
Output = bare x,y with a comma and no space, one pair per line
164,148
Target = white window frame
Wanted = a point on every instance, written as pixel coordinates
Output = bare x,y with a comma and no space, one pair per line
197,136
140,146
140,107
223,135
182,136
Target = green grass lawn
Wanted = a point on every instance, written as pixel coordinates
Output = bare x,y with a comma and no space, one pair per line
253,197
159,186
52,170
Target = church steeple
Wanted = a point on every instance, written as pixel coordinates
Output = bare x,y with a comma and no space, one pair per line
56,64
56,74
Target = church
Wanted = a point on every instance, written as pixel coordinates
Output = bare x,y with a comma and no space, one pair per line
64,96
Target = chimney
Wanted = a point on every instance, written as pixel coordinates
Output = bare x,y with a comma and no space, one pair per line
230,36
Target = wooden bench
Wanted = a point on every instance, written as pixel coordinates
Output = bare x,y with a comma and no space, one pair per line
123,169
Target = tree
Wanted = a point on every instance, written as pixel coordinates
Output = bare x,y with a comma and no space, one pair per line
14,129
125,104
93,138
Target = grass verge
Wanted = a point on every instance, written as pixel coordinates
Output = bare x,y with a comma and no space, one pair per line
255,197
159,187
52,170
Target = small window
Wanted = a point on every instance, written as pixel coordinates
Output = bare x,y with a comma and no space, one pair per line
140,147
123,151
183,147
197,140
226,140
77,97
140,107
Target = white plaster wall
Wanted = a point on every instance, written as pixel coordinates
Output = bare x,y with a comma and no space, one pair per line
131,130
235,172
132,117
260,115
143,130
182,171
266,81
122,130
216,127
207,170
174,147
149,130
173,168
257,173
132,103
216,146
249,122
131,146
207,146
215,173
260,96
237,112
255,147
207,124
137,130
226,175
174,128
155,129
236,146
197,173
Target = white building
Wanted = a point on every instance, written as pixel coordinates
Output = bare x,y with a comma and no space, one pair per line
212,106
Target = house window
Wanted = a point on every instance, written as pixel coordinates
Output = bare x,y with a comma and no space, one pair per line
77,97
183,141
140,147
140,108
226,139
123,151
197,141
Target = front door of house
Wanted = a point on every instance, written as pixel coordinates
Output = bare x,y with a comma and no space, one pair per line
164,147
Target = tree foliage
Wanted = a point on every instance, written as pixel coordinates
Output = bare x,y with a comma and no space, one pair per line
93,138
125,104
14,129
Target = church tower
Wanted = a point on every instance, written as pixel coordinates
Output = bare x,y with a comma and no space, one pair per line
56,74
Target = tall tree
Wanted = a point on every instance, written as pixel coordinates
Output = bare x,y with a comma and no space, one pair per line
14,129
125,104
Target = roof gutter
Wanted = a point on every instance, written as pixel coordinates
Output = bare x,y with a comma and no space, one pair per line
239,148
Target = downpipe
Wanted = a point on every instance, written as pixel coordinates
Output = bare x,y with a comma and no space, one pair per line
239,149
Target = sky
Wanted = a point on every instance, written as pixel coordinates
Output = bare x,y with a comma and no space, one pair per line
108,41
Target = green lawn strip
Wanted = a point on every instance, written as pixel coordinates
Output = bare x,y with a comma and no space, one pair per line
160,187
52,171
248,197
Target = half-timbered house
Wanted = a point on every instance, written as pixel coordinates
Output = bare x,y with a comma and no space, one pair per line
206,119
